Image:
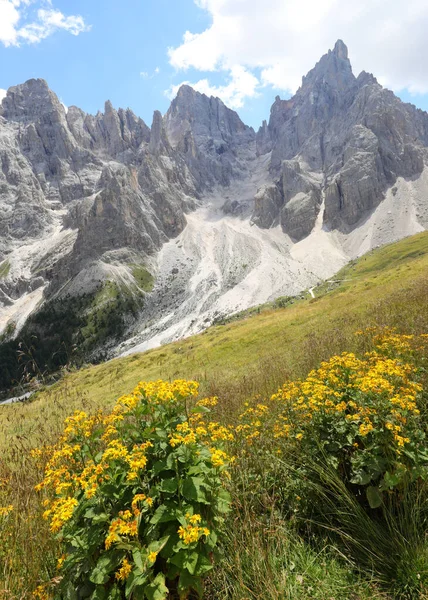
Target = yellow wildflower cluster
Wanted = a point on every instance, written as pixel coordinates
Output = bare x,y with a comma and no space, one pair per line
196,430
192,532
41,592
161,392
137,502
369,396
124,570
183,434
124,525
60,512
368,392
5,510
98,476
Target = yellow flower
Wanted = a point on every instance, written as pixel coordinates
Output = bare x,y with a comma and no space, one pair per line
365,428
195,519
124,570
5,510
152,556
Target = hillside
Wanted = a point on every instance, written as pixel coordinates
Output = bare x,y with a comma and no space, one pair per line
249,356
254,353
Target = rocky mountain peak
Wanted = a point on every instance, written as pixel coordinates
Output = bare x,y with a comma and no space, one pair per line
86,199
340,50
158,138
208,134
203,116
30,101
333,70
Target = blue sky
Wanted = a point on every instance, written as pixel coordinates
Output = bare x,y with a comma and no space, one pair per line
136,52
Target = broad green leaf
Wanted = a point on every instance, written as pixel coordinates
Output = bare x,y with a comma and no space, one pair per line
136,579
100,593
157,590
204,565
105,565
70,592
139,558
192,489
361,478
191,561
115,593
223,501
189,582
168,485
374,496
200,410
163,514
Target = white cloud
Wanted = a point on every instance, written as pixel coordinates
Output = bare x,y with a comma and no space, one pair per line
146,74
2,94
243,84
282,40
19,24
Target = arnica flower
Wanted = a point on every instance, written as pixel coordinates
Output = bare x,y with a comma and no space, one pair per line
5,510
124,570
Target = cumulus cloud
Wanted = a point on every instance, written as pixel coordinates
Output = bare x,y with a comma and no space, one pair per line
30,21
278,41
2,94
243,84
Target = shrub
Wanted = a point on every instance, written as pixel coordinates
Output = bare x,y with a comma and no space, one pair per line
346,450
358,415
136,496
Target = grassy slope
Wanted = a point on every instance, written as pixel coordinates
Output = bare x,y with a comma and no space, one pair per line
255,355
263,558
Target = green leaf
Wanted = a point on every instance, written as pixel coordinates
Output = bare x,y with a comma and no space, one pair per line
186,559
223,501
101,518
204,565
157,590
115,593
191,561
390,480
139,558
192,489
100,593
159,466
200,410
134,581
168,485
179,559
189,582
361,478
105,565
158,545
163,514
374,496
70,592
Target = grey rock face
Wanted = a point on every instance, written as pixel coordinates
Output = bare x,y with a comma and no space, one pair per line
119,187
83,198
357,137
267,205
211,137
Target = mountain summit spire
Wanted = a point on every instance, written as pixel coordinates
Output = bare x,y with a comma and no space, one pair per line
341,50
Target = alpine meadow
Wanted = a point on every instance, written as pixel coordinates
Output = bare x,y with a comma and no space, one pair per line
213,340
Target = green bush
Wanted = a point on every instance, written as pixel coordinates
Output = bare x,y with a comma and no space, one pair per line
137,496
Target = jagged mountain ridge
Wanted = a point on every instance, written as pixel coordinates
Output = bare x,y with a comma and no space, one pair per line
222,217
